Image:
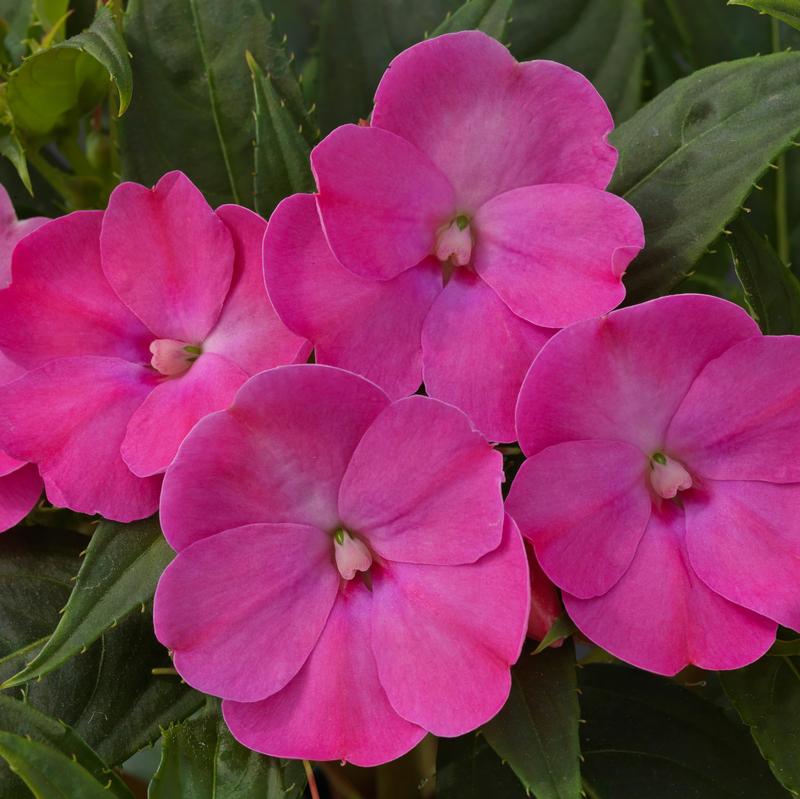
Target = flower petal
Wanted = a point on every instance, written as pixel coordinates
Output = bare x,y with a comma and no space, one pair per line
11,232
60,304
623,377
661,617
584,505
743,540
740,419
249,332
371,327
167,256
556,254
69,417
381,200
546,605
491,124
423,486
476,353
19,492
224,601
277,455
335,708
444,637
171,410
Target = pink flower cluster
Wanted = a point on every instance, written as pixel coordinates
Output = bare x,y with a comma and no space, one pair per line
347,577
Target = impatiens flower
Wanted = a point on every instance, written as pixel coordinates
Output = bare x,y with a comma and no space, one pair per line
133,323
12,231
458,229
662,485
345,578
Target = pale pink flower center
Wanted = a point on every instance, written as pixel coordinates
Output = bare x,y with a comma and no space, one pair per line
454,242
668,476
351,554
172,358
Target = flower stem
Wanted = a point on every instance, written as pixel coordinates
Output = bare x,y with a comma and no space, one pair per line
781,217
312,782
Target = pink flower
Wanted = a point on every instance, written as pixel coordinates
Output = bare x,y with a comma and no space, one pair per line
465,221
133,323
662,485
345,578
545,603
12,230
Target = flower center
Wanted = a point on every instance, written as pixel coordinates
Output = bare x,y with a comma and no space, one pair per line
454,242
668,476
351,554
172,358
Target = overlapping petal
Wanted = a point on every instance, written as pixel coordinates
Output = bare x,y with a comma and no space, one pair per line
491,124
381,200
555,254
424,486
476,353
243,610
12,231
445,636
371,327
20,489
278,455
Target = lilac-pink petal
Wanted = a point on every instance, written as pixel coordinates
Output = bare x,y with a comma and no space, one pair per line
60,304
423,486
623,376
741,418
12,231
335,708
555,254
69,417
476,353
371,327
491,124
168,256
381,200
249,332
172,408
662,617
277,455
444,637
585,506
743,540
242,610
19,492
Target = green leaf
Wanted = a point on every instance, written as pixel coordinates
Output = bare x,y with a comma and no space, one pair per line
201,759
689,158
771,290
468,768
646,736
787,11
281,152
358,39
50,12
489,16
11,148
22,719
17,15
56,85
536,732
119,574
767,697
193,108
47,772
603,39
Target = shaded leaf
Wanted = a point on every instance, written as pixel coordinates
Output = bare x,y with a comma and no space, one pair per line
647,736
536,732
489,16
689,158
603,39
202,760
119,573
468,768
767,696
771,289
17,16
787,11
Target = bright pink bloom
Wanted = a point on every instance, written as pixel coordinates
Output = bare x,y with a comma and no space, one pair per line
663,481
133,323
458,229
546,605
345,577
12,230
